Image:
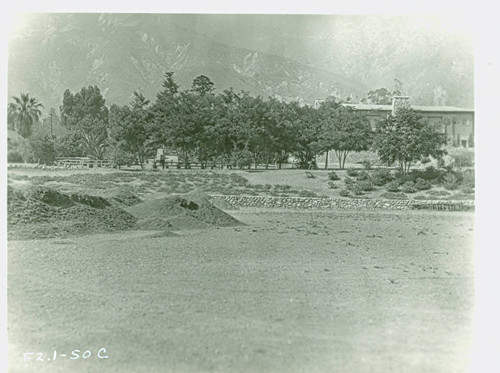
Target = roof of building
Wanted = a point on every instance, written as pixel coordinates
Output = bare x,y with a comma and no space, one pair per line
436,109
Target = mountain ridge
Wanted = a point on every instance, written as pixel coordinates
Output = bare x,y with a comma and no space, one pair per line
122,53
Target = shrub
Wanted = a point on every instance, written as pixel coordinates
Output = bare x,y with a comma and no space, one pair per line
392,186
333,176
381,177
450,181
356,189
348,181
467,189
461,158
468,179
352,172
422,184
393,195
307,193
367,164
409,187
332,185
43,148
14,157
431,173
363,175
238,179
282,187
366,185
344,192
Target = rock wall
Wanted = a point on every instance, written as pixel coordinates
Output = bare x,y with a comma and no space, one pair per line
348,203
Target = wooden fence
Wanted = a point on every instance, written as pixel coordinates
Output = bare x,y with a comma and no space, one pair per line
81,162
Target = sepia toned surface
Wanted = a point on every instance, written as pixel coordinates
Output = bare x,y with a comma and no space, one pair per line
287,292
147,172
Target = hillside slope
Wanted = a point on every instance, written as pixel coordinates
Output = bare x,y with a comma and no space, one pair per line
122,53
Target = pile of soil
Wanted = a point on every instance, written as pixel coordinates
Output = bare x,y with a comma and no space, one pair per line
188,211
125,197
43,212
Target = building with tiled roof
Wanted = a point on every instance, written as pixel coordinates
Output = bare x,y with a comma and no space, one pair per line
456,123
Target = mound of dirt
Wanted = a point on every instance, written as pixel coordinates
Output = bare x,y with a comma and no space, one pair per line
43,212
125,197
92,201
49,197
188,211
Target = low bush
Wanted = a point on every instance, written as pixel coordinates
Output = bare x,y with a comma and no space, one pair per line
363,175
392,186
468,179
14,157
352,172
422,184
409,187
381,177
348,181
367,164
450,181
344,192
282,187
307,193
356,189
332,185
365,185
467,189
333,176
431,173
461,158
238,179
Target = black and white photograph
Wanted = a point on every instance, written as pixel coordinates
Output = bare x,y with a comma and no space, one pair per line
240,192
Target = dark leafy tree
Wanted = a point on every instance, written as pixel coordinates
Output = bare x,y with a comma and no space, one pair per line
407,138
305,135
381,96
87,103
69,145
169,85
344,131
128,128
43,149
202,85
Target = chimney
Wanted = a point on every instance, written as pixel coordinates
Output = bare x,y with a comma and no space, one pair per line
399,102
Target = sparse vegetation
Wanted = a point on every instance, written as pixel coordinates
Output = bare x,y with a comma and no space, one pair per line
409,187
392,186
332,175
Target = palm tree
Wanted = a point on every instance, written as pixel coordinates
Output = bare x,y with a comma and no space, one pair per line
23,113
94,144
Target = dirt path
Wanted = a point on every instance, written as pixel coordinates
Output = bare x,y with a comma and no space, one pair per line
289,292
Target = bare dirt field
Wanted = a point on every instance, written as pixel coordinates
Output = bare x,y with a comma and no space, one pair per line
289,291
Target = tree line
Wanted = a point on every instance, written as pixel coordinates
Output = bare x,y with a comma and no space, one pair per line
216,129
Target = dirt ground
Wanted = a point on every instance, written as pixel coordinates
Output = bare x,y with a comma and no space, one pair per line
290,291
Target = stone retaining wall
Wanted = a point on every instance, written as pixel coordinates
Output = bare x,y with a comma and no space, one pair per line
328,203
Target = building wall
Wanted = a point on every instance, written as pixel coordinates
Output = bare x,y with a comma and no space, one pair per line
458,127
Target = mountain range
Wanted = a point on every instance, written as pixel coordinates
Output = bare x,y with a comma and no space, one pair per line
301,58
